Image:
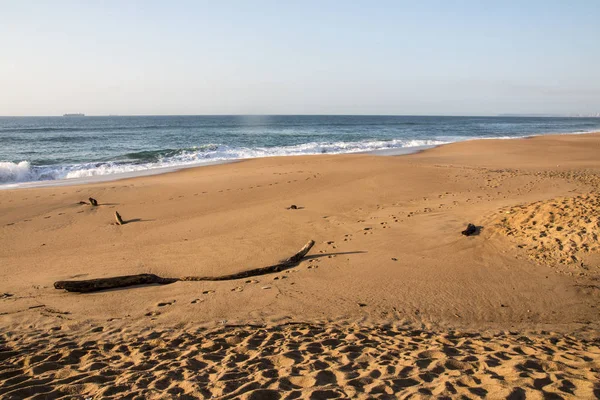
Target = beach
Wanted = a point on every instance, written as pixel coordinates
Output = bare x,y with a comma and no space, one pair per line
391,301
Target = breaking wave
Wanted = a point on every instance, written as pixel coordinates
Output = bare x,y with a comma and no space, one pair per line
23,171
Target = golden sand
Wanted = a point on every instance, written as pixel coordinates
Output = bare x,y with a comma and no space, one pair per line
392,301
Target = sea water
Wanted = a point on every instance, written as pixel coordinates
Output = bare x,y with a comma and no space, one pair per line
65,148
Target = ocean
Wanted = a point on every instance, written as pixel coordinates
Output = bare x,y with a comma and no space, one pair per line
66,148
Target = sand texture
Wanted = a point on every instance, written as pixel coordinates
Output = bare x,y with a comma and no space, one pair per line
392,301
298,361
559,231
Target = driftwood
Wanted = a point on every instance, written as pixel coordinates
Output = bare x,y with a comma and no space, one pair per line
93,285
287,263
118,218
91,201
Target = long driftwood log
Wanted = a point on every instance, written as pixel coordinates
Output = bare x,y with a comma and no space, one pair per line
93,285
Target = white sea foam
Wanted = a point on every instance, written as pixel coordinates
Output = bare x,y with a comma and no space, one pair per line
24,172
15,172
21,172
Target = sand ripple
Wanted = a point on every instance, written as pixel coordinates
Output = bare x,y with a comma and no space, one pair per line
296,361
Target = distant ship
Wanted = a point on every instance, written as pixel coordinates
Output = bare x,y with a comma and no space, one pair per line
74,115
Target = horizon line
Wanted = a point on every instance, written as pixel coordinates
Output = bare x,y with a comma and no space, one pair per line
515,115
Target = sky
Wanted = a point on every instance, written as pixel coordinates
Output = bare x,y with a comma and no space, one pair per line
299,57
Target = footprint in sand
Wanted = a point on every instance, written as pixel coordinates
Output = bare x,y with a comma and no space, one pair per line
322,361
208,292
166,303
237,289
152,314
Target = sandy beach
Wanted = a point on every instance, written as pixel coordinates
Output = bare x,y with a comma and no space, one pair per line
392,301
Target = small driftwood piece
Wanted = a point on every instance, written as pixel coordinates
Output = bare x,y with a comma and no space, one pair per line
93,285
93,202
118,218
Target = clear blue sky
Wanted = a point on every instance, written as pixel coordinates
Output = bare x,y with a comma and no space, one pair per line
299,57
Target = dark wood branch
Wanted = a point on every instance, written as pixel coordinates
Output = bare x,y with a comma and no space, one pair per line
299,255
93,285
285,264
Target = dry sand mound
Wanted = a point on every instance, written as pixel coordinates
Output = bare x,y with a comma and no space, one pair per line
296,361
554,231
